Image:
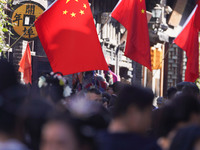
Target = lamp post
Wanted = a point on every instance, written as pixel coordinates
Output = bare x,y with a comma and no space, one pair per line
159,25
156,13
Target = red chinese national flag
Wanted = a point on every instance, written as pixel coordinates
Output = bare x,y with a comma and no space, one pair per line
132,15
188,41
68,36
25,66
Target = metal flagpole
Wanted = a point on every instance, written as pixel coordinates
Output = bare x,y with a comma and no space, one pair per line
19,37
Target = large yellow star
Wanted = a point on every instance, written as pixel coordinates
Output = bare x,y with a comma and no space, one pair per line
140,0
65,12
85,6
82,12
73,14
67,1
76,0
143,11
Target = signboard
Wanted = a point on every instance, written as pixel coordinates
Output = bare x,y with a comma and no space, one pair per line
24,16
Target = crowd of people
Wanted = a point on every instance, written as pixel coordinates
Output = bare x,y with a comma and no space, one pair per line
51,115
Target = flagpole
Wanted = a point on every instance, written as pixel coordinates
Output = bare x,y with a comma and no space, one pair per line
27,29
20,37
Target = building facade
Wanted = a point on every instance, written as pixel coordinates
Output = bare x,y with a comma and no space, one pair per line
112,37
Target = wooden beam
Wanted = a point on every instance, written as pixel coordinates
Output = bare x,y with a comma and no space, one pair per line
177,13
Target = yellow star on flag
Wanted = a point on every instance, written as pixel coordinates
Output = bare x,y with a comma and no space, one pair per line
67,1
140,0
81,12
85,6
143,11
73,14
65,12
76,0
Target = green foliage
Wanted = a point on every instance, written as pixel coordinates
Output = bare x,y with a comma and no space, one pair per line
4,24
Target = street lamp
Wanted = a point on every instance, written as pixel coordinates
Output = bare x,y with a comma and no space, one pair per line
157,11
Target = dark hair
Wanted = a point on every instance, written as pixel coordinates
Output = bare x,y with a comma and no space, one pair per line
191,89
8,75
117,87
180,85
66,118
184,106
7,121
106,97
53,88
11,100
189,85
31,117
179,110
96,116
84,133
132,95
95,91
185,138
171,92
163,121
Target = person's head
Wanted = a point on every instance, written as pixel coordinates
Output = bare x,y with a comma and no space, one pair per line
134,107
11,100
92,113
8,76
187,138
188,88
191,89
7,120
184,110
94,95
74,131
163,126
52,87
180,85
31,117
171,92
117,87
60,133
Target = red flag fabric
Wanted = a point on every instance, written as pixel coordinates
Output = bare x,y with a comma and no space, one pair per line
197,16
25,65
132,15
68,35
188,41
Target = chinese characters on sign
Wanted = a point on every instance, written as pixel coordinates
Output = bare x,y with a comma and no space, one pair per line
24,16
